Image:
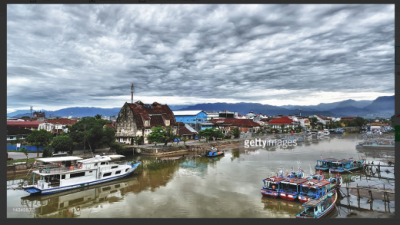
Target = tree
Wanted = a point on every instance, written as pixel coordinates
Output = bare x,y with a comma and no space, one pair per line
313,122
90,132
392,121
236,132
156,135
39,138
97,116
211,132
63,143
138,140
25,151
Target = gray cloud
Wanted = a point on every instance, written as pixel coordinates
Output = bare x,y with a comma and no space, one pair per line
88,55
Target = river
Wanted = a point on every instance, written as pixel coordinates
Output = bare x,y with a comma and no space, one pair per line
222,187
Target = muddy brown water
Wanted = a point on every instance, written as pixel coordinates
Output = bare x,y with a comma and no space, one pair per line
221,187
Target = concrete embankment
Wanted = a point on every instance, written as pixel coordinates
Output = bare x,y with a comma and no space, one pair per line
184,149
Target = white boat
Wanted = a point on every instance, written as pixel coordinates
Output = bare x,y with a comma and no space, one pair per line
65,173
326,132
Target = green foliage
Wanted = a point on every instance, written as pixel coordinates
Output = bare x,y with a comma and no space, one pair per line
139,140
39,138
25,151
25,117
90,132
392,121
97,116
211,133
313,122
63,143
118,148
156,135
46,151
236,132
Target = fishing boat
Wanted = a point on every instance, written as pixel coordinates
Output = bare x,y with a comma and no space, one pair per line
326,132
318,208
378,146
289,189
346,165
213,152
271,186
325,164
315,188
337,131
65,173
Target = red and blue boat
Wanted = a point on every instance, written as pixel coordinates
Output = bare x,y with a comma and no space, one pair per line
319,208
271,186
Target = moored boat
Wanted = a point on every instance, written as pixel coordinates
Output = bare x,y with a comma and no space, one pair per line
65,173
213,152
346,165
319,208
271,186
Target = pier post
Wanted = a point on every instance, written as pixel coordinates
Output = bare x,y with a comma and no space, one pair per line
358,194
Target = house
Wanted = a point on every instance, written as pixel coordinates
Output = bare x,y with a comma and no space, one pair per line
305,123
185,130
137,119
31,125
39,116
193,118
250,115
57,126
212,115
321,119
244,125
109,125
285,121
14,132
226,114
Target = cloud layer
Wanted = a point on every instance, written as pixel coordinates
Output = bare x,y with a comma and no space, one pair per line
88,55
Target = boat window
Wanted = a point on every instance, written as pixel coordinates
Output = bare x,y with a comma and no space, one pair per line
103,163
106,188
63,176
90,171
126,170
62,205
107,174
118,172
72,175
95,164
113,167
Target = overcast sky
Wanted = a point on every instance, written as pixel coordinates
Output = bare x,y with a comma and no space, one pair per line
88,55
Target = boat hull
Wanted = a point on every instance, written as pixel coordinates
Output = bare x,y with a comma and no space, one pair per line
218,154
325,213
37,191
269,193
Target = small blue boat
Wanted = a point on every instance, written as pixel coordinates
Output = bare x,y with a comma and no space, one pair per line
318,208
346,165
213,152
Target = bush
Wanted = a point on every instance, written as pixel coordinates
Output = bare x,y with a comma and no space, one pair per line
47,152
118,148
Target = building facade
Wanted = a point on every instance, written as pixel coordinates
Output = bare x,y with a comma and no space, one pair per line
137,119
194,118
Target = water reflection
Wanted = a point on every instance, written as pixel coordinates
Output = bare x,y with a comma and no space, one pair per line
219,187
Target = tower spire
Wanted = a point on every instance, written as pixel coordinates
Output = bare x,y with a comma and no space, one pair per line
132,93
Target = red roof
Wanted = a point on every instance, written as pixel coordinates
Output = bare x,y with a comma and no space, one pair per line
236,122
283,120
184,131
322,117
110,126
155,112
63,121
30,124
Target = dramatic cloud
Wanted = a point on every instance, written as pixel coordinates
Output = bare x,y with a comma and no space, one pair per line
88,55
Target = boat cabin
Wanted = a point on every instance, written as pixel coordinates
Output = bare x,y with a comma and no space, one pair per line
316,188
325,164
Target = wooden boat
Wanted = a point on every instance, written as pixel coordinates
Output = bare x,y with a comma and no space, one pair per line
319,208
271,186
325,164
289,189
314,189
213,152
346,165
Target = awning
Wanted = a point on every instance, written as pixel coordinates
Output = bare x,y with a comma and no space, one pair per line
59,159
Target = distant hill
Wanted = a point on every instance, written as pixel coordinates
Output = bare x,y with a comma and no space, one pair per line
329,106
381,106
244,108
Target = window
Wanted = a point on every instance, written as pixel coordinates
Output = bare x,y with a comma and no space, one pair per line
63,176
106,188
118,172
107,174
113,167
62,205
103,163
72,175
95,164
126,170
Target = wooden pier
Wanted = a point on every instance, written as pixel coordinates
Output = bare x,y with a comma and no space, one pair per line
372,193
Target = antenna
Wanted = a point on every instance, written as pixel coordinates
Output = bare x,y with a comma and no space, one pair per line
132,93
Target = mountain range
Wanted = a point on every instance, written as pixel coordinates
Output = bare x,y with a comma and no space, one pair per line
382,106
